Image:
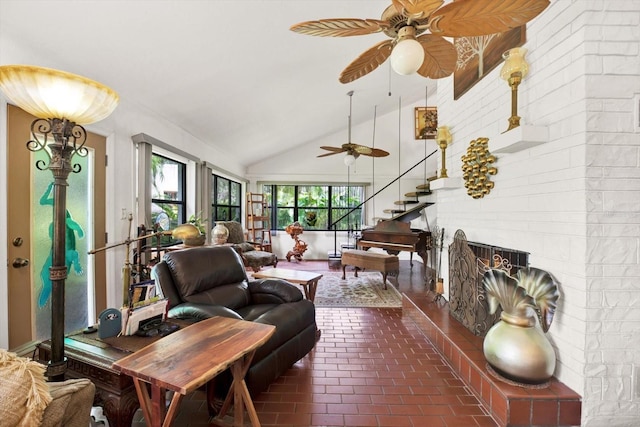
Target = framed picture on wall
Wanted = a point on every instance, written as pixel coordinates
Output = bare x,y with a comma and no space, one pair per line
426,122
477,56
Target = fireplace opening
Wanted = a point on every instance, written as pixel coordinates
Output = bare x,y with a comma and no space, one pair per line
468,261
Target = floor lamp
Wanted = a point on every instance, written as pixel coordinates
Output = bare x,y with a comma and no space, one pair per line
62,103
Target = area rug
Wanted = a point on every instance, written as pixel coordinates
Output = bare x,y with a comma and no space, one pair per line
366,290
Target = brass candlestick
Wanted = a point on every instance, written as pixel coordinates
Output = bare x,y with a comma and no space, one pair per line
443,138
515,69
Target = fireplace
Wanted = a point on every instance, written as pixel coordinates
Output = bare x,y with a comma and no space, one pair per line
468,261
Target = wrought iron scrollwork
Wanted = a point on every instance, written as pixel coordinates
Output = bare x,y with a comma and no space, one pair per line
69,139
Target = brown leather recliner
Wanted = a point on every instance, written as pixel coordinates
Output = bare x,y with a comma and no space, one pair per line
203,282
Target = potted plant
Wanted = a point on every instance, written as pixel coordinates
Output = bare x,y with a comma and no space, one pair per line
516,347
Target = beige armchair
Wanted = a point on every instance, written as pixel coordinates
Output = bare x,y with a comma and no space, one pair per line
28,400
251,257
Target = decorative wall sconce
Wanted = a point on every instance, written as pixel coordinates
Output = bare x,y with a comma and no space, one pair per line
477,168
62,102
443,138
515,69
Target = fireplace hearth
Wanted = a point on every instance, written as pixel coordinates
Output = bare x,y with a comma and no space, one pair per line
468,261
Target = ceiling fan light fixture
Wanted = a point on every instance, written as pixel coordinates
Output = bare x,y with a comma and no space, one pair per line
408,54
349,160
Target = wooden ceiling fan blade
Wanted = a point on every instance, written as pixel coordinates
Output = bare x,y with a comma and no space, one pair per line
361,149
334,149
340,27
367,62
416,8
329,154
376,152
469,18
440,57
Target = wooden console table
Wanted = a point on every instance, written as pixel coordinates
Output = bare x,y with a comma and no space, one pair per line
189,358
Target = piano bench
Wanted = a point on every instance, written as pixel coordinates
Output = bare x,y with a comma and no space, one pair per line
383,263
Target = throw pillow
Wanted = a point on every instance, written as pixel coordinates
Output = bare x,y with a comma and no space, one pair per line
24,394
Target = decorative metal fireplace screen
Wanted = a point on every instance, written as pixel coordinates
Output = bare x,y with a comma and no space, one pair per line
468,261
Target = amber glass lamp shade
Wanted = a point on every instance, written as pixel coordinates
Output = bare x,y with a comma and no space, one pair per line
443,136
514,62
47,93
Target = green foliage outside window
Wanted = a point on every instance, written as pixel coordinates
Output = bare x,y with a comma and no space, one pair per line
315,207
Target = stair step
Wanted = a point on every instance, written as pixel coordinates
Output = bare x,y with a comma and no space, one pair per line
423,186
393,211
417,193
405,202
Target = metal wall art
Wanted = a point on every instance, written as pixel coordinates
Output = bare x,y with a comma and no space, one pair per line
477,168
426,122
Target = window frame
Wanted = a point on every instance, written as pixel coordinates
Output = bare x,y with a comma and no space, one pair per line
272,189
230,206
182,189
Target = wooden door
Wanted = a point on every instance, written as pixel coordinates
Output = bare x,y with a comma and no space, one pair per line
29,217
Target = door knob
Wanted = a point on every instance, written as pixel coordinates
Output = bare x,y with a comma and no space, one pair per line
20,262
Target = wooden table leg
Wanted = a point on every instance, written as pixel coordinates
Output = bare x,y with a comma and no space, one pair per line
313,285
154,407
239,393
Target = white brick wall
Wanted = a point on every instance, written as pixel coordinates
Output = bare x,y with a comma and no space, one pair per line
574,202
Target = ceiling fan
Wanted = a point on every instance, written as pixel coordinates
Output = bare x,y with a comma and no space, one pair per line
431,55
353,150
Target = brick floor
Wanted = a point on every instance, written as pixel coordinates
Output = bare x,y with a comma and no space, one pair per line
371,367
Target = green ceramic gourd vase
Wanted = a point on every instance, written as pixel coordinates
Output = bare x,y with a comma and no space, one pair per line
516,347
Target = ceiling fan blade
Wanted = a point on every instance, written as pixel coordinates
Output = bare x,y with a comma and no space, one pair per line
329,154
340,27
367,62
416,8
469,18
376,152
334,149
361,149
368,151
440,57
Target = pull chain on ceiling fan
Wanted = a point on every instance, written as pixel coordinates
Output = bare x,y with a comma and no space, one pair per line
353,150
404,21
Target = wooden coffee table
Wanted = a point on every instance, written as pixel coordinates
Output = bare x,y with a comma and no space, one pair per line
189,358
307,279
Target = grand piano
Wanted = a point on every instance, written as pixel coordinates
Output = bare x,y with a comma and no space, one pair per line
395,235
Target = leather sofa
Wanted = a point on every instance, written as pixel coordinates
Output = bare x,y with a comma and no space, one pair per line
203,282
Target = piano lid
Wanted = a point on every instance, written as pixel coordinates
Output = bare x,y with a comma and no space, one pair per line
411,214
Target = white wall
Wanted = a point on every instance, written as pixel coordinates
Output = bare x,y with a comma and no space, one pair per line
574,202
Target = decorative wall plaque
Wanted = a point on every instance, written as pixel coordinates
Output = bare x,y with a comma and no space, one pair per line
477,167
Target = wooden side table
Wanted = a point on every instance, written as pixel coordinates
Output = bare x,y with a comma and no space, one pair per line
189,358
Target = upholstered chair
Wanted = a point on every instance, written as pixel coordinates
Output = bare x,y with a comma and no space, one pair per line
28,400
251,257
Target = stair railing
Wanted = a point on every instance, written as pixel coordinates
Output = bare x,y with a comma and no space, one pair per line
334,224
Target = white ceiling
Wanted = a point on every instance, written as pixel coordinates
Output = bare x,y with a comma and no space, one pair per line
231,73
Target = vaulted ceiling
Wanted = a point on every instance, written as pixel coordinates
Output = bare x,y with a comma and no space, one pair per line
231,73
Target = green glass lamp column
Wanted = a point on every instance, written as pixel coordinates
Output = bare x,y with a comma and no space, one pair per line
62,102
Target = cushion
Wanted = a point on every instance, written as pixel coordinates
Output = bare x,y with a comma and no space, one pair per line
24,394
244,247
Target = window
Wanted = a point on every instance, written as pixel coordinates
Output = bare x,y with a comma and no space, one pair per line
168,195
226,196
315,207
